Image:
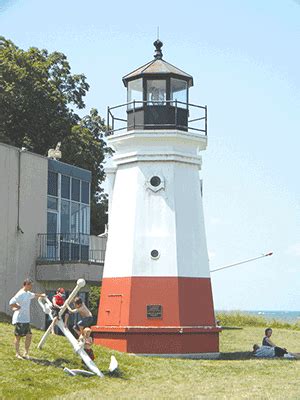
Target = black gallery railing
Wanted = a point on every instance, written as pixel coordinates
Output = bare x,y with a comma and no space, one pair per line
176,115
64,247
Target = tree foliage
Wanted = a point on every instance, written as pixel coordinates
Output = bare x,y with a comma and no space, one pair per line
37,93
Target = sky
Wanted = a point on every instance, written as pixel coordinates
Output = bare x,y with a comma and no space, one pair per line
245,61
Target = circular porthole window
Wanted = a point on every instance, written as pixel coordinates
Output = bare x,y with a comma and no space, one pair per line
155,181
154,254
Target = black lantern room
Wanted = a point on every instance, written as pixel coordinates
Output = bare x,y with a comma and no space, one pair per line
157,95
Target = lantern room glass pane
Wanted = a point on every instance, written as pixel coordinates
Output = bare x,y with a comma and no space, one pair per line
156,92
135,92
179,92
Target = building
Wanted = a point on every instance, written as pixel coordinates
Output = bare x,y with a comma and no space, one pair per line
156,293
45,227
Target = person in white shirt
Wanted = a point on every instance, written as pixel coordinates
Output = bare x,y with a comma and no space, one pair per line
20,304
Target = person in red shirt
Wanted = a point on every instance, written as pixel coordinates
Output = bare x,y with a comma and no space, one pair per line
58,301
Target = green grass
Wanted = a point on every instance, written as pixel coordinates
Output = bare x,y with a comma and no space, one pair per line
152,378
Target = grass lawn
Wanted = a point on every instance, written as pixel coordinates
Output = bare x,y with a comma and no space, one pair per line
151,378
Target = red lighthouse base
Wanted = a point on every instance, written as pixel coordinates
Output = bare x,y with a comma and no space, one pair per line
157,315
158,340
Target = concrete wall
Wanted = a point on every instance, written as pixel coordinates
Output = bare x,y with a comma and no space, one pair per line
18,247
56,273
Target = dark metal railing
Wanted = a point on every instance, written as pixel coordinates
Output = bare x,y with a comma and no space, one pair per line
118,122
64,247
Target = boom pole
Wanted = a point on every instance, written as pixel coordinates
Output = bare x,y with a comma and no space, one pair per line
242,262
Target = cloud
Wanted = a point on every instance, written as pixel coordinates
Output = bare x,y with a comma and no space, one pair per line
294,250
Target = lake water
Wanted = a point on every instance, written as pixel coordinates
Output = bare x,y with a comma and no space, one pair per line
285,316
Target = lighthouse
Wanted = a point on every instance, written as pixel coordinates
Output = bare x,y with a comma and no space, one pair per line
156,295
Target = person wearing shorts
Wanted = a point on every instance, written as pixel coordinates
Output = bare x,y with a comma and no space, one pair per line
85,316
20,304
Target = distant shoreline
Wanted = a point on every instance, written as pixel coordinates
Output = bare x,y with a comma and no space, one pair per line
284,316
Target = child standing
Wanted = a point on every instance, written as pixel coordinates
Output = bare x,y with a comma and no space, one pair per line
87,342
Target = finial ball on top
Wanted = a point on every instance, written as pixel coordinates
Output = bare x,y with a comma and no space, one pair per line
81,282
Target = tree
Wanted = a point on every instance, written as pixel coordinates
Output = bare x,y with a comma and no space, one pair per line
37,91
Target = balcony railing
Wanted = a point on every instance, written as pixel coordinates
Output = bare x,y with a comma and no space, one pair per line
118,120
67,247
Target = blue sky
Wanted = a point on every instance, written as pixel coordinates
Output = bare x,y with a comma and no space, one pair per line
244,57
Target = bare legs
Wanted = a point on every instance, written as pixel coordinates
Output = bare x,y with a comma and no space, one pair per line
27,345
17,346
28,338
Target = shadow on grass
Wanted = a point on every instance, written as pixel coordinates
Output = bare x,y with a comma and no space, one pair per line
248,355
58,363
237,355
115,374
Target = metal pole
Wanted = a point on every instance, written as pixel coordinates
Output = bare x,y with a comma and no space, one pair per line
176,113
133,114
108,118
242,262
205,120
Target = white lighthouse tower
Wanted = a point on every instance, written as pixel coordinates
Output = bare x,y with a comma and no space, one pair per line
156,295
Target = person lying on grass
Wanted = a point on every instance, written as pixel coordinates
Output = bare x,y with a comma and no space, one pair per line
86,318
271,352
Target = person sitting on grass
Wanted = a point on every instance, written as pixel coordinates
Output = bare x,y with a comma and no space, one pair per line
85,316
271,352
267,338
87,342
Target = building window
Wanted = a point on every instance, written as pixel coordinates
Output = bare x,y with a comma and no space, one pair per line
85,219
52,203
85,192
71,216
156,92
154,254
65,187
75,217
155,181
52,183
135,92
65,217
75,189
179,92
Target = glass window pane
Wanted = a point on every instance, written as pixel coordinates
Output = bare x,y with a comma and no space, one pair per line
156,92
85,219
52,203
52,183
75,220
135,92
65,217
85,192
51,222
65,187
75,189
179,92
